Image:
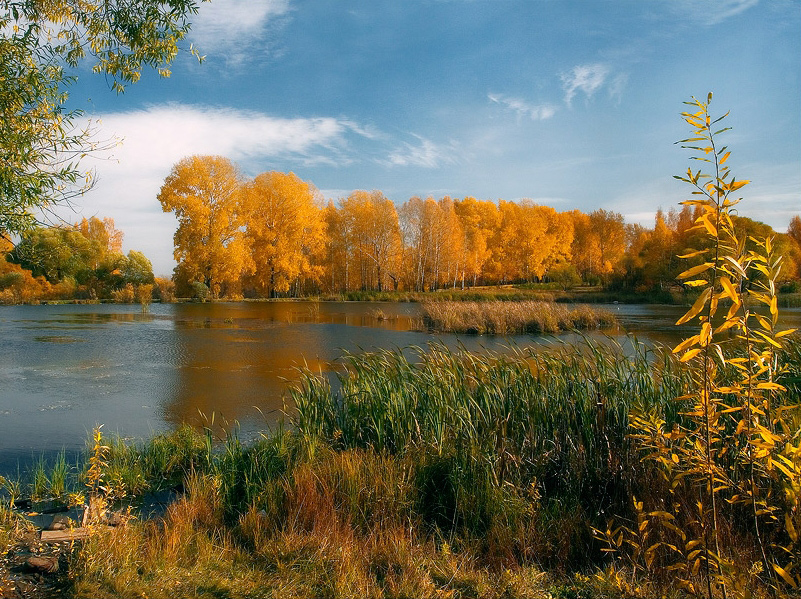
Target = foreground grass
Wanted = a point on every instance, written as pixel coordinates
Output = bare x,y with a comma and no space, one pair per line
436,474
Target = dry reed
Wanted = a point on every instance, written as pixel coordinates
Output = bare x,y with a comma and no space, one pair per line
510,318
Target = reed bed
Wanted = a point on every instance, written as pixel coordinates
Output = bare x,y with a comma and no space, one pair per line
510,318
531,407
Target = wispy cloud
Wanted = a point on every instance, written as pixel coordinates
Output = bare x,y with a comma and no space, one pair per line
536,112
587,79
231,29
423,153
617,86
710,12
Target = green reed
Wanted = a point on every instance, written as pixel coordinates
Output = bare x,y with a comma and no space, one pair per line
558,418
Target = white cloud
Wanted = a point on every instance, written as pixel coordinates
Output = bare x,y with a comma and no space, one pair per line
425,153
584,78
153,140
230,28
536,112
161,135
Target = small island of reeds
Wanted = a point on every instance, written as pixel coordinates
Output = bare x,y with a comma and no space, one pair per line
511,318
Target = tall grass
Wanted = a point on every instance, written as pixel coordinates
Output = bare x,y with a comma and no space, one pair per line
490,431
508,318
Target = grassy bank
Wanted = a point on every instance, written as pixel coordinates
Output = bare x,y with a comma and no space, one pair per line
508,318
444,474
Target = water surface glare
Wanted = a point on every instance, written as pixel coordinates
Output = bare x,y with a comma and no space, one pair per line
67,368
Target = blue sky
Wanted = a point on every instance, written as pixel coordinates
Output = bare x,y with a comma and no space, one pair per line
574,104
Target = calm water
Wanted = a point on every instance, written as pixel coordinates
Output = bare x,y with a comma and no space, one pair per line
64,369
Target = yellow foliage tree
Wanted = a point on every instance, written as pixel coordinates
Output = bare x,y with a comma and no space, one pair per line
338,254
529,240
478,220
599,243
285,229
204,193
372,222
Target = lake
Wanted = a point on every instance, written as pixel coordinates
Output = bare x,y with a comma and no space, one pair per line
67,368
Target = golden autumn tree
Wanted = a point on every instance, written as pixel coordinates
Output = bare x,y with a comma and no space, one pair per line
17,284
478,220
794,235
599,243
530,240
337,255
449,262
371,220
102,233
610,231
412,221
285,230
210,248
794,230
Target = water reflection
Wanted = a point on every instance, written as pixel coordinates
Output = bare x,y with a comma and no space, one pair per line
231,370
64,369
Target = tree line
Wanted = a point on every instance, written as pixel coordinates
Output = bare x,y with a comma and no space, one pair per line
276,235
80,261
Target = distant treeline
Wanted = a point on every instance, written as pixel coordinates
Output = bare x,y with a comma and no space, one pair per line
275,235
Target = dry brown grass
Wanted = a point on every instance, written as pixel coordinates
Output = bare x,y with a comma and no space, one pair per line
508,318
316,552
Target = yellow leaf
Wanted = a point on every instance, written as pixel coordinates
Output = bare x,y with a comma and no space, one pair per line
785,575
708,225
769,437
705,336
685,344
697,306
735,306
662,514
695,270
771,386
768,339
737,266
690,355
692,254
788,524
727,324
728,288
735,185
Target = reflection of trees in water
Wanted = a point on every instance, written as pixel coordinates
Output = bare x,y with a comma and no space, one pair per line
258,314
234,373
